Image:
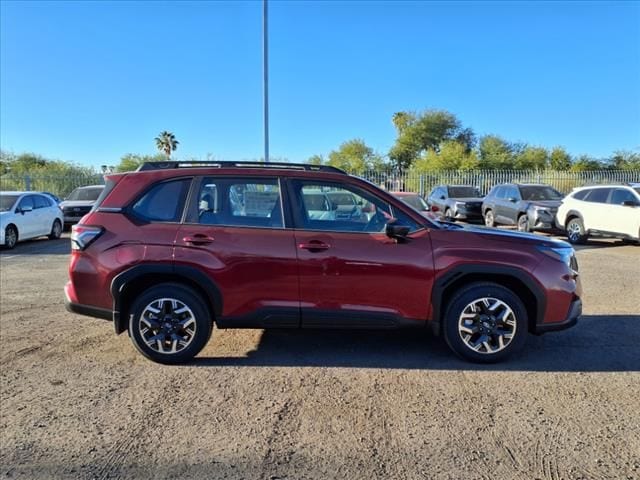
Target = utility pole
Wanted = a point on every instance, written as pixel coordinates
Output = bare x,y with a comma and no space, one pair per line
265,67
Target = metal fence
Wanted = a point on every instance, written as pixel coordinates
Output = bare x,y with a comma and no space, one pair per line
422,183
563,181
60,185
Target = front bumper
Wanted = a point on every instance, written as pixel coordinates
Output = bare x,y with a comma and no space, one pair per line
575,310
542,219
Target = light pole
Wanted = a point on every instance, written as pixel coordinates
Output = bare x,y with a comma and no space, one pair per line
265,69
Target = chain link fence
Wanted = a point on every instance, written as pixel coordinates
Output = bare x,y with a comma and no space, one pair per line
423,183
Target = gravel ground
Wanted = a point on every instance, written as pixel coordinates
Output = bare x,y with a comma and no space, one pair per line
79,402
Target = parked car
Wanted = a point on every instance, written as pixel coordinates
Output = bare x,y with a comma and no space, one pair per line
528,206
456,202
605,211
148,260
25,215
79,203
412,199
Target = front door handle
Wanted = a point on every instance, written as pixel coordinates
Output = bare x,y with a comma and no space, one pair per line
198,239
314,246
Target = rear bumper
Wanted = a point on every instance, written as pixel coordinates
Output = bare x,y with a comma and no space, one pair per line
88,310
572,319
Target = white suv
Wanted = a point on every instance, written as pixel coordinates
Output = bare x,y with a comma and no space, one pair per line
603,210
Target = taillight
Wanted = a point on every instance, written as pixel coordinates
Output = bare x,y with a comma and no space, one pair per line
83,235
434,208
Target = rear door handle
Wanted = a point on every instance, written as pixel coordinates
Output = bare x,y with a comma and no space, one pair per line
314,246
198,239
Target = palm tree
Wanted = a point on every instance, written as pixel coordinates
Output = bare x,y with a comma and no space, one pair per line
166,143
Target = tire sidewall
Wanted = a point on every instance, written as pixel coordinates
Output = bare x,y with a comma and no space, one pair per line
185,295
489,214
54,235
582,237
523,223
466,296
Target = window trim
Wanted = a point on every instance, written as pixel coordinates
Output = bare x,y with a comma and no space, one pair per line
191,208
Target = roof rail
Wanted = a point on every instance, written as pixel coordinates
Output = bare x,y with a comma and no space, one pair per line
216,164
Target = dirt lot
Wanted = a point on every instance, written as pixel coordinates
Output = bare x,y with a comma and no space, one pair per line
79,402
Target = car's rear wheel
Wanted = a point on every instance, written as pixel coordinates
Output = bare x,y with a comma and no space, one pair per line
169,323
56,230
523,223
10,236
485,323
489,219
575,231
448,215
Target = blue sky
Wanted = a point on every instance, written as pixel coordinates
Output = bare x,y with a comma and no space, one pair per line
91,81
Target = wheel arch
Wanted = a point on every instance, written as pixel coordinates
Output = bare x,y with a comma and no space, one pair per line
515,279
571,214
128,284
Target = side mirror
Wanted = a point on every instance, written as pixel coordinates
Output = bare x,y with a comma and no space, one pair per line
396,231
512,199
26,209
630,203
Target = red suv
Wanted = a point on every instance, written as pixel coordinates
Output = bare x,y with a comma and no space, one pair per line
176,246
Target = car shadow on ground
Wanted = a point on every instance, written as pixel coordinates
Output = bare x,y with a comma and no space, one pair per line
599,343
39,246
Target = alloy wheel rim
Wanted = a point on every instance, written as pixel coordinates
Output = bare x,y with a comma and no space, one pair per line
574,231
167,326
487,325
488,219
522,223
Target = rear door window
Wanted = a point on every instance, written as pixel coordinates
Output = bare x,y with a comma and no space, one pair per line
598,195
620,195
164,202
248,202
40,201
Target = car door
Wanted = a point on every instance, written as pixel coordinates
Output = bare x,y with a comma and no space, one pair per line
509,205
623,219
234,232
43,217
351,273
25,218
597,210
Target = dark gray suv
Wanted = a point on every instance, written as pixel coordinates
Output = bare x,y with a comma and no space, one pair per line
529,206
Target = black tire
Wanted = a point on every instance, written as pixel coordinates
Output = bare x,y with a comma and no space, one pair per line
489,218
515,323
448,215
56,230
10,237
523,223
575,231
199,313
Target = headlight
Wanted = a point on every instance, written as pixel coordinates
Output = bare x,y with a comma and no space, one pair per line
566,255
460,205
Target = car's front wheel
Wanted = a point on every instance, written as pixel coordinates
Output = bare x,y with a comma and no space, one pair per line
575,231
448,215
523,223
10,237
485,323
170,323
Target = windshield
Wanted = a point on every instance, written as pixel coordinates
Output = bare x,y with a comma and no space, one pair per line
461,192
540,193
415,201
89,194
7,201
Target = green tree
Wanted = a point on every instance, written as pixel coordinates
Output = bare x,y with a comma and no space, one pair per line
559,159
166,142
585,162
495,153
626,160
453,155
355,156
131,161
531,158
419,133
315,160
